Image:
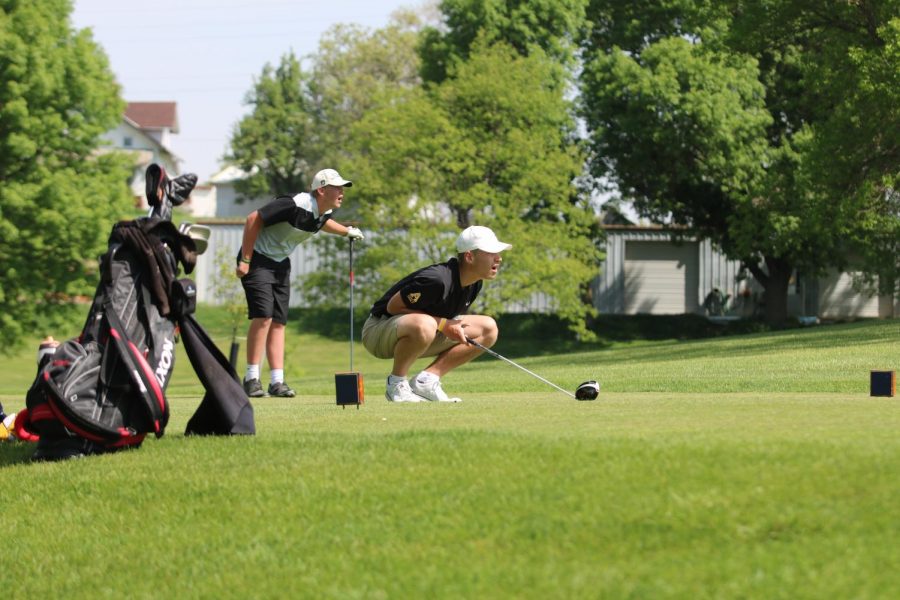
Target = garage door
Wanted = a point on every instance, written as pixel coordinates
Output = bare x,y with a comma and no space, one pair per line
661,278
840,299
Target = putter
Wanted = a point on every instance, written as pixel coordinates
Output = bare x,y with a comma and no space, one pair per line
349,386
589,390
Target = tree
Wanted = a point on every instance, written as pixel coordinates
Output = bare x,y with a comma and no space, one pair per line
492,145
227,289
59,196
525,25
722,117
300,118
354,66
877,96
278,143
353,71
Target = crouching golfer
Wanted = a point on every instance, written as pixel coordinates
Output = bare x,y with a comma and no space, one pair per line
264,267
424,315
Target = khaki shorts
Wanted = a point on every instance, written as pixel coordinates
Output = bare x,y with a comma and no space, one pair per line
379,336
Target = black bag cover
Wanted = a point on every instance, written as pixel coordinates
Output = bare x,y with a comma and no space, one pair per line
225,408
181,187
157,185
164,193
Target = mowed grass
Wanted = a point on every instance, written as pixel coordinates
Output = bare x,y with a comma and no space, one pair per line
747,466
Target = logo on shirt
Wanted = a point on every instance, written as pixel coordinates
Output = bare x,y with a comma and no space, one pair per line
413,297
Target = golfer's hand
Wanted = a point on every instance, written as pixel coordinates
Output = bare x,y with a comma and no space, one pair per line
354,233
453,329
242,269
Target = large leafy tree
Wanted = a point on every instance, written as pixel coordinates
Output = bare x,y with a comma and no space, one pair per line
278,143
353,67
59,197
548,25
743,122
878,94
300,118
491,145
354,70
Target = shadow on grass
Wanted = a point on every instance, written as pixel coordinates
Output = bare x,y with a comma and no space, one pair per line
15,453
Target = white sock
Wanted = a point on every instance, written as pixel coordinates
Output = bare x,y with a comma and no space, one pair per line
252,372
426,377
395,379
276,375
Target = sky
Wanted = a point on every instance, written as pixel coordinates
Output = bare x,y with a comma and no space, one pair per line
205,54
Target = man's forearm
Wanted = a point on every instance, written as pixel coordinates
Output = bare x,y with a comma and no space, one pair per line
252,227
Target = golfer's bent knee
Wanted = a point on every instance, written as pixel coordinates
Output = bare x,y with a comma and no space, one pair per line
490,332
419,328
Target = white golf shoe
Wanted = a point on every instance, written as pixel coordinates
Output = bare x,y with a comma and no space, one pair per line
432,391
401,392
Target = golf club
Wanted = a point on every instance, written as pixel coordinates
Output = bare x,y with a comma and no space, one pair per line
352,285
586,391
349,386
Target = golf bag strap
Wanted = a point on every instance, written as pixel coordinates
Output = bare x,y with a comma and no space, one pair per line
23,427
146,384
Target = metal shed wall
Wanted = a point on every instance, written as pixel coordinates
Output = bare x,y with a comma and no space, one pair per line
714,271
839,299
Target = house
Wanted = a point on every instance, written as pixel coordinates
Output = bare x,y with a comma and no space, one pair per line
646,272
226,202
145,133
218,197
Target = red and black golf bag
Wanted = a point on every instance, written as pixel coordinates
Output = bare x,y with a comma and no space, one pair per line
105,389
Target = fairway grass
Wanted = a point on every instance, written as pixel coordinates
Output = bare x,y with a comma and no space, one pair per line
754,466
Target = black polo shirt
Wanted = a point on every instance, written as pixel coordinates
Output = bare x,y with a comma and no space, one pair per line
434,290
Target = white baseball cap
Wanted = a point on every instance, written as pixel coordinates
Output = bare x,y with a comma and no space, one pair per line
328,177
477,237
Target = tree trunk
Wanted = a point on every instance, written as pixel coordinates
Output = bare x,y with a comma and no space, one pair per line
775,283
777,290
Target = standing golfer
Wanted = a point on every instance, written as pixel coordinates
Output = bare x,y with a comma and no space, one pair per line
264,267
424,314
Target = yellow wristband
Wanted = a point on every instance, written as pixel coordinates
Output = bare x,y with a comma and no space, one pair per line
441,324
246,261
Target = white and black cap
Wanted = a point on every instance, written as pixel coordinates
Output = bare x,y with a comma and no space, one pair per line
328,177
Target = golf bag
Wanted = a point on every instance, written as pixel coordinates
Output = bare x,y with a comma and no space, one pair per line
105,389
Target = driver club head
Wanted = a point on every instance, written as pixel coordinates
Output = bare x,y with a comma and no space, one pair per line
589,390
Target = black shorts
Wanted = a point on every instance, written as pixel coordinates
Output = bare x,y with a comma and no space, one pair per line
267,286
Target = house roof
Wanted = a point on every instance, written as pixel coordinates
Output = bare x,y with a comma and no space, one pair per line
153,115
231,173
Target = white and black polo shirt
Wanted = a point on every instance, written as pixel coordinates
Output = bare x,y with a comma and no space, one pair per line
434,290
287,222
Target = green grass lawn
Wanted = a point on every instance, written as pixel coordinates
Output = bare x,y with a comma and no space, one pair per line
742,466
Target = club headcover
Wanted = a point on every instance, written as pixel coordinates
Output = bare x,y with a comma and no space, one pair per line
157,184
589,390
180,188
